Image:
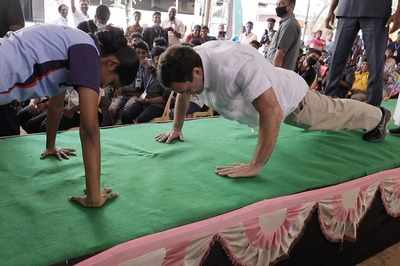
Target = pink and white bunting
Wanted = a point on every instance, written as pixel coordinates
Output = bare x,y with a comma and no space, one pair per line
264,232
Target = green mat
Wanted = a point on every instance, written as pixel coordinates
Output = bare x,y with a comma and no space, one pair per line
161,186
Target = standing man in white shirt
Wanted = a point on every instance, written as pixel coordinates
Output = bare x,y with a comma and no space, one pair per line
81,14
63,19
174,27
247,37
237,82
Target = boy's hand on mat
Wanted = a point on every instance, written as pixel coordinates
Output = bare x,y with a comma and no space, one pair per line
238,170
106,195
170,137
60,154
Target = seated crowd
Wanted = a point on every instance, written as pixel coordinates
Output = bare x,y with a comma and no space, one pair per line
147,100
313,66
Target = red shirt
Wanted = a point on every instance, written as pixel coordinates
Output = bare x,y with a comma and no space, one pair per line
318,44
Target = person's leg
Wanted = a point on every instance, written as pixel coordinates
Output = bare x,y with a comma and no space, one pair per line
69,122
320,112
43,125
9,125
25,114
345,35
104,105
150,112
115,107
130,111
193,108
37,124
375,36
359,96
100,118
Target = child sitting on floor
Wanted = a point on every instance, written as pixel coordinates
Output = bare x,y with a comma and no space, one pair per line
360,85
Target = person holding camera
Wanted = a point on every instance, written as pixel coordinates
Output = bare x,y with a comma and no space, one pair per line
174,27
307,67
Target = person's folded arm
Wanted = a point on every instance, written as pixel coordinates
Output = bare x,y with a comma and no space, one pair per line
279,58
155,100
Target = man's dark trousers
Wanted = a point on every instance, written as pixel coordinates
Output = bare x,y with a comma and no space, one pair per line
375,37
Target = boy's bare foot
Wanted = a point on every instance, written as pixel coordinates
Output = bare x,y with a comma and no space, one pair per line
106,195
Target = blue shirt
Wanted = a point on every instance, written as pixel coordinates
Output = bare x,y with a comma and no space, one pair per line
35,62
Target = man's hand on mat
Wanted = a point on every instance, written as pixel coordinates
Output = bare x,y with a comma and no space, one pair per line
105,196
238,170
58,153
170,137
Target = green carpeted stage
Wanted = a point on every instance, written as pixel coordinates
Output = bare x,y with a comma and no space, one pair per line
160,186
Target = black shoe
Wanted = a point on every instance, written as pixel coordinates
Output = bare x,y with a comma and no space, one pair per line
395,131
378,134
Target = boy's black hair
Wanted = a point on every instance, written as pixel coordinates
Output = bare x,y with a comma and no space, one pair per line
142,45
103,13
111,41
61,6
157,51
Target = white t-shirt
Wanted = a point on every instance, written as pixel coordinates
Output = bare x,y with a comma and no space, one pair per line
235,75
61,21
79,17
178,26
100,26
247,39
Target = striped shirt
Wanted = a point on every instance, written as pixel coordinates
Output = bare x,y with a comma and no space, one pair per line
37,62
